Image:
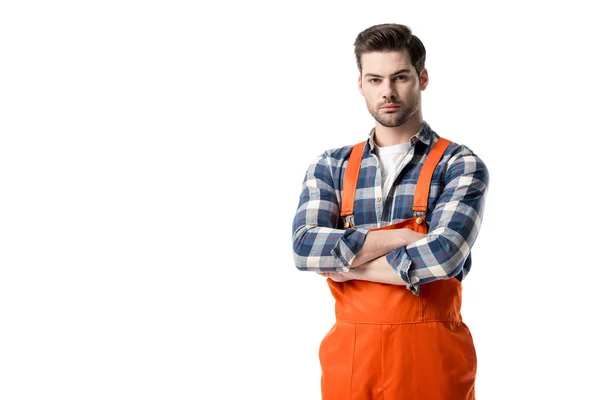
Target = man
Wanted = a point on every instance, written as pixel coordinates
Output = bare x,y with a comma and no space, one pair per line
399,211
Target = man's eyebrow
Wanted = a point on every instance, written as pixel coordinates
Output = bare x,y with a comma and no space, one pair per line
402,71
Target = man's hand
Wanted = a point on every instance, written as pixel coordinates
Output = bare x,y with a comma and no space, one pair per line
378,269
338,276
379,243
411,236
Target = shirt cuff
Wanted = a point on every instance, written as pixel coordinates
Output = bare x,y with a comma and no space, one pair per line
400,261
347,246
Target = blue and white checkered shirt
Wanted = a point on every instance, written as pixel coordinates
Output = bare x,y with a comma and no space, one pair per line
456,202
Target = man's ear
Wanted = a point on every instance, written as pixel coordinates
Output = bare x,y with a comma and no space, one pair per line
360,89
424,79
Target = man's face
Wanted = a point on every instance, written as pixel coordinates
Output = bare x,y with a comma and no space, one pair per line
391,86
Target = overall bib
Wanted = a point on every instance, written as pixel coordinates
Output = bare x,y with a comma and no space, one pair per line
387,343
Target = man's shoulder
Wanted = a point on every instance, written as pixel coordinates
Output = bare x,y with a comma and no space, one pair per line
458,150
338,154
458,153
461,159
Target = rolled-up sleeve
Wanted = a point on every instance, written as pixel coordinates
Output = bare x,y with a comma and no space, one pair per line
317,244
454,225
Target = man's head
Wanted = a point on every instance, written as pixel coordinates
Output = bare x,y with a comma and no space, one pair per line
390,37
391,61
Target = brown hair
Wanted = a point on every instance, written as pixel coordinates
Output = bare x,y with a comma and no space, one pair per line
390,37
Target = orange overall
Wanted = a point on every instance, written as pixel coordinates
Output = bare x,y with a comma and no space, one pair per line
388,343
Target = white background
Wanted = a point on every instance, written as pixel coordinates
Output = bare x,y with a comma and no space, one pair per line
151,158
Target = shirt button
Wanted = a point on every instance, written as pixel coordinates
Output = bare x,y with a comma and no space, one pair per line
378,199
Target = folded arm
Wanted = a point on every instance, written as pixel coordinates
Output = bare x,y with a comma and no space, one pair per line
392,256
318,245
377,270
453,228
441,254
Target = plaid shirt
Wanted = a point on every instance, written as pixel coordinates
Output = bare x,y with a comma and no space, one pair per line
456,203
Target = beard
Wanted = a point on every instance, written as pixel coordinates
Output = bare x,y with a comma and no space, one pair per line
394,118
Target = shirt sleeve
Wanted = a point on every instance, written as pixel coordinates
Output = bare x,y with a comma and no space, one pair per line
454,225
318,245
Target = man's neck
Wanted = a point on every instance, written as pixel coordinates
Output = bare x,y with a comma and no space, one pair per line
385,136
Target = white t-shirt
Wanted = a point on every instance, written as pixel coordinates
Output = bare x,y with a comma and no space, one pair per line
391,160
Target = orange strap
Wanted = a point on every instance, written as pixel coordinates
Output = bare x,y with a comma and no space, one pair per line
351,178
421,191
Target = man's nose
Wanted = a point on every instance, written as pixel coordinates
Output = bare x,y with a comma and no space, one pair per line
388,92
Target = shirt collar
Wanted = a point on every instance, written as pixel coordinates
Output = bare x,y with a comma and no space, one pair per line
425,134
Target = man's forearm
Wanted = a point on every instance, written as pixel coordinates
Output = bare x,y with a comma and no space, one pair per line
379,243
377,270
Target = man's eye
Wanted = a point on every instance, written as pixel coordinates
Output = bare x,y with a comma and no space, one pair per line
401,78
374,80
